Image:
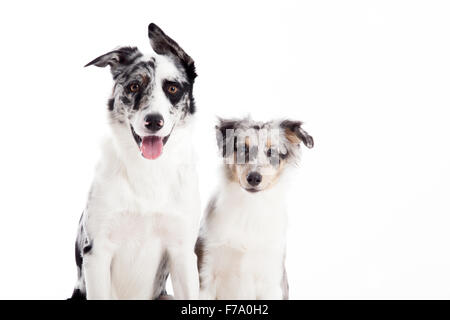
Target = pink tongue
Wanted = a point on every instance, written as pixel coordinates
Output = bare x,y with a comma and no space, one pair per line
151,147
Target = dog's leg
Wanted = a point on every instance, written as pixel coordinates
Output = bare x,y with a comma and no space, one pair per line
97,271
184,275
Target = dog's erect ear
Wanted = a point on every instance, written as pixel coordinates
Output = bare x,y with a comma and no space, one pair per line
163,44
225,136
117,59
295,133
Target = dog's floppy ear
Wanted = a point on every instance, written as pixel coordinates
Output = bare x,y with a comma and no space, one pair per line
225,141
295,133
163,44
116,59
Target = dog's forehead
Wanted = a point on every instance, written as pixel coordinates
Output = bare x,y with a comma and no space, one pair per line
156,66
167,68
259,132
140,67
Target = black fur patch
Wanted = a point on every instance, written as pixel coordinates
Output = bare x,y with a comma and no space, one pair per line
137,100
82,246
296,128
162,274
111,104
163,44
125,100
87,248
200,253
192,107
78,257
151,63
284,155
221,135
78,295
174,98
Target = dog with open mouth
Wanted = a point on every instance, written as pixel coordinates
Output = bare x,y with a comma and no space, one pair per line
140,223
241,246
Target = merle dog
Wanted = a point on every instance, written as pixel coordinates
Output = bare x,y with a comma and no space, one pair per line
141,218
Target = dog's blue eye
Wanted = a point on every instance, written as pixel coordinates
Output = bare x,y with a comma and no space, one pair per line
273,156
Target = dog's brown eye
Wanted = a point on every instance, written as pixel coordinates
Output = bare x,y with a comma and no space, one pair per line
134,87
172,89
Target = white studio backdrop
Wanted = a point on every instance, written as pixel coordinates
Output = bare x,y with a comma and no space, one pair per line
369,205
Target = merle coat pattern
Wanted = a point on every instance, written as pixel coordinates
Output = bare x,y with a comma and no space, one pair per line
141,218
241,246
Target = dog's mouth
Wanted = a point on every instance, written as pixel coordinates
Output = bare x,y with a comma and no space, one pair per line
151,147
252,190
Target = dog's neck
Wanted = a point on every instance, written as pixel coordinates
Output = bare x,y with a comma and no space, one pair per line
273,197
242,219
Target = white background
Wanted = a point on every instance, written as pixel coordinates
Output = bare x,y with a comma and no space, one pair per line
369,210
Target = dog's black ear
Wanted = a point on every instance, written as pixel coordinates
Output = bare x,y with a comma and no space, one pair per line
117,59
295,133
225,136
163,44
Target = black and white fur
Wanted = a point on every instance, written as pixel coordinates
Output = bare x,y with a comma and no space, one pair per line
241,248
141,219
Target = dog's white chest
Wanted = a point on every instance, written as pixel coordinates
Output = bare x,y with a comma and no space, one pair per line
244,249
246,273
140,249
141,211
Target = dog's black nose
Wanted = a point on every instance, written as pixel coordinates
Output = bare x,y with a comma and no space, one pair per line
154,122
254,178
